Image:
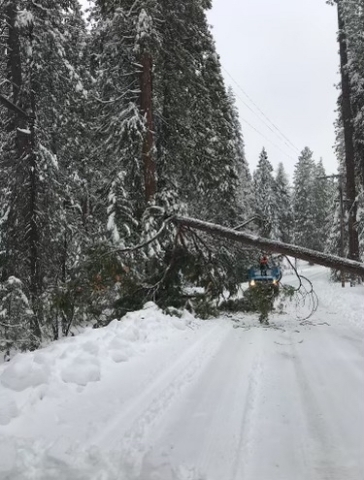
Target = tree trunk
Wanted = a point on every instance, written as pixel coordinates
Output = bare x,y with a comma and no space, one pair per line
313,256
14,63
24,125
35,276
146,105
349,138
34,234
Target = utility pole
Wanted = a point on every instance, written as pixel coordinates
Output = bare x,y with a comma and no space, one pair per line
342,228
341,190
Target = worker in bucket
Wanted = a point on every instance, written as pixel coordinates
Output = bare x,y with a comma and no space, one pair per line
263,263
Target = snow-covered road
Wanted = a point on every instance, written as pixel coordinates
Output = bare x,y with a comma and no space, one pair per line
226,399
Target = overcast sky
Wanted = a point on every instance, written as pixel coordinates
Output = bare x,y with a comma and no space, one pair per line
284,55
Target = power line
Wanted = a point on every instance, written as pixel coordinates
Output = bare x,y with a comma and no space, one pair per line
286,140
262,134
266,138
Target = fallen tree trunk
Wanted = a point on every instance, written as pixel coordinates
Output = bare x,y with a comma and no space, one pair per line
331,261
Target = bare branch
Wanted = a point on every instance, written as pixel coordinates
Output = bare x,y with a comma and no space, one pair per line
11,106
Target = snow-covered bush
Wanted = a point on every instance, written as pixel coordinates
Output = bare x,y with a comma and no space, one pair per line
15,318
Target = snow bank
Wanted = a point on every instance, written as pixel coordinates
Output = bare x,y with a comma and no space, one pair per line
84,359
8,409
35,460
25,460
82,370
39,410
24,372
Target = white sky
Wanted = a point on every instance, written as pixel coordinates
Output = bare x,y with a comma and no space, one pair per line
284,55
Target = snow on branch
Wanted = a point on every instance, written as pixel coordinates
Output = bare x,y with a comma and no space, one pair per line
141,245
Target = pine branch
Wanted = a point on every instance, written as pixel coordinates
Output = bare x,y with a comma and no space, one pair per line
141,245
11,106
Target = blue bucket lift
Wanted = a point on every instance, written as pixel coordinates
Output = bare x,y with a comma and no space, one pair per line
269,277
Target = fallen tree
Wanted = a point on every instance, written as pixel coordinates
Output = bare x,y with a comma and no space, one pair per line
313,256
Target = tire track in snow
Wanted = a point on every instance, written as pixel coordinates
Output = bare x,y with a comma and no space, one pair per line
348,346
274,444
246,442
220,368
131,427
328,453
204,428
239,372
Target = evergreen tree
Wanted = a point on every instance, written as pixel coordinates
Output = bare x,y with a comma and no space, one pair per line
265,198
118,45
336,240
350,19
304,205
42,83
336,223
321,192
15,317
284,213
352,30
197,144
197,138
361,223
103,135
197,150
245,192
352,14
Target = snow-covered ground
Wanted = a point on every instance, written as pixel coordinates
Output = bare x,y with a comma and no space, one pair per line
161,398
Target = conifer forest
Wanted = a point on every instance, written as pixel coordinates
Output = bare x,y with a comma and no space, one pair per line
116,120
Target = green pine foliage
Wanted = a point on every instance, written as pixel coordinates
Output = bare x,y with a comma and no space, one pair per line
304,207
333,221
245,190
361,222
284,212
265,196
311,202
40,211
273,201
15,318
79,241
198,145
354,27
352,16
303,201
322,192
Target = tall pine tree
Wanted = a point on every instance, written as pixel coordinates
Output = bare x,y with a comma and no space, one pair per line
265,198
41,83
283,202
304,206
